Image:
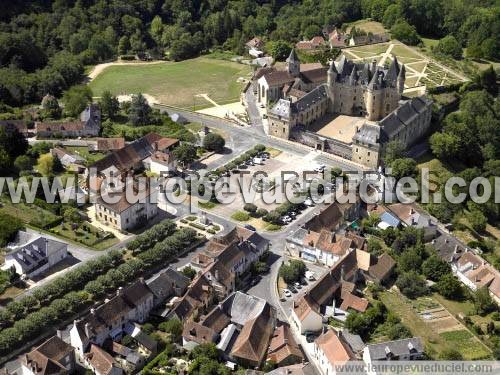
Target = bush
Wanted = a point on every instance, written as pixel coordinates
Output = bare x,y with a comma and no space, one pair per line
250,207
259,147
261,212
240,216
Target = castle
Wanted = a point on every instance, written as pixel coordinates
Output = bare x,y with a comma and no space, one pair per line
304,93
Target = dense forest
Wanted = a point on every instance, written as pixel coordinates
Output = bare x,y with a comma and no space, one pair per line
44,45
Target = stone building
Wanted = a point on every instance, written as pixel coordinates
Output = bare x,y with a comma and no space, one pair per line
303,94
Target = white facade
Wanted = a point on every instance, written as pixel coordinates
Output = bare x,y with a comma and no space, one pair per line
312,322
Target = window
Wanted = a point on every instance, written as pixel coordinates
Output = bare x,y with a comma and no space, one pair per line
368,153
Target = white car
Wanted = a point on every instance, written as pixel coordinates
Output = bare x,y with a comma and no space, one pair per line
309,275
286,219
287,293
308,202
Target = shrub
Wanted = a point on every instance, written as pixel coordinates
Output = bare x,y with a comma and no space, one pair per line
240,216
250,207
259,147
261,212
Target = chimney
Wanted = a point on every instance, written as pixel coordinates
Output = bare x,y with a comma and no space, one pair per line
216,275
92,311
342,272
119,291
412,211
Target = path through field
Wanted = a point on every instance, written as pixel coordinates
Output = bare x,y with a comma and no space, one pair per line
100,67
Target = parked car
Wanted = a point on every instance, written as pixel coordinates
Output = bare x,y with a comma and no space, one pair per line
249,162
308,202
264,116
310,275
250,227
310,336
293,214
297,285
292,289
262,105
286,219
257,160
287,293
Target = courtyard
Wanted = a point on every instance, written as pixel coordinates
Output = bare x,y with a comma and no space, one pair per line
341,127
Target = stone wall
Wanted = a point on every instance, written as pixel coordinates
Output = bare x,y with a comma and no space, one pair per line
325,144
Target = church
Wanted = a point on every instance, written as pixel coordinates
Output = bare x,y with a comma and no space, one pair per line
370,94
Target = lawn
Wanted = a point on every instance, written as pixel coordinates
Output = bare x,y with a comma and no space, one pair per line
92,237
176,83
84,153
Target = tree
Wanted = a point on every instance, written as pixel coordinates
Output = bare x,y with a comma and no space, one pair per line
406,167
214,142
45,165
449,287
409,261
50,108
374,246
394,150
23,163
71,215
189,272
405,32
278,49
109,105
449,46
487,79
391,15
185,154
12,142
139,113
76,100
477,220
412,285
483,303
123,45
293,271
434,268
172,326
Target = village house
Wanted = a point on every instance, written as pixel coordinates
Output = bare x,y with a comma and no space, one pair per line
311,45
316,240
370,38
297,369
337,38
54,356
89,125
331,352
475,273
411,215
107,144
335,294
198,298
100,362
236,250
166,284
398,350
283,350
34,255
124,213
241,326
134,157
131,304
70,161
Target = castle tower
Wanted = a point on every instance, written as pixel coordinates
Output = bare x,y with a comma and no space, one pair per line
332,74
293,64
373,96
393,73
401,79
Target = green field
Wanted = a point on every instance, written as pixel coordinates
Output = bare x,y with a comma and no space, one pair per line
176,83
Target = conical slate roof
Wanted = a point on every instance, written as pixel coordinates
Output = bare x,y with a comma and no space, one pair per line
293,56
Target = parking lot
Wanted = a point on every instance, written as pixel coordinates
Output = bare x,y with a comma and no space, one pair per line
265,180
287,302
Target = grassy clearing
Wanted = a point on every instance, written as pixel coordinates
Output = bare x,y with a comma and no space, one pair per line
466,343
240,216
176,83
92,237
29,214
368,26
86,154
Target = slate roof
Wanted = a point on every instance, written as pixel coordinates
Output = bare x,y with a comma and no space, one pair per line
282,109
312,97
396,348
35,253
